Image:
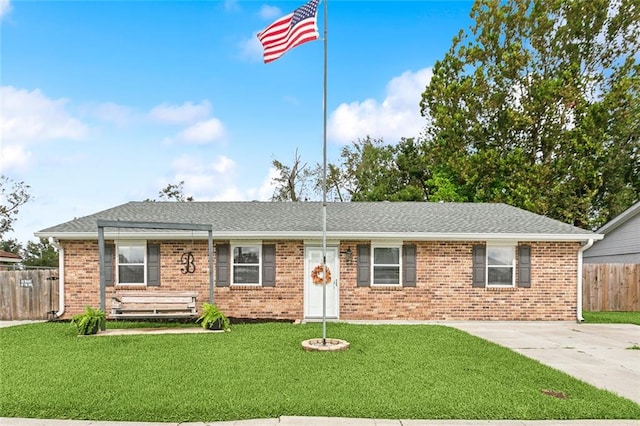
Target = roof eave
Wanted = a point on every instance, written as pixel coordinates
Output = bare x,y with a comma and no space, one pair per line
412,236
620,219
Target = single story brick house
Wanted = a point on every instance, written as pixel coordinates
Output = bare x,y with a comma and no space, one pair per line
385,261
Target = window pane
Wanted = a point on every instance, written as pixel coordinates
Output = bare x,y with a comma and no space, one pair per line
131,274
246,255
500,255
131,254
386,255
386,275
246,275
500,276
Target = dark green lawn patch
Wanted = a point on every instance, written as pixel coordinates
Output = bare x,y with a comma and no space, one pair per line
612,317
261,371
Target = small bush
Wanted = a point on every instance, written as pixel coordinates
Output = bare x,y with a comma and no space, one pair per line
90,321
212,318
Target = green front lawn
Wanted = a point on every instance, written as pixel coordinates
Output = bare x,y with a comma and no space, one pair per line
260,371
612,317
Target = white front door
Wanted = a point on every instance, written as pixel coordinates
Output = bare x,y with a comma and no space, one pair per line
313,290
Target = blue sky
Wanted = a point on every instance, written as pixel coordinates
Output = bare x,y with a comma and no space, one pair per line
105,102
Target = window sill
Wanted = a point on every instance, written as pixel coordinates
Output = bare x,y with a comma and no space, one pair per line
497,288
245,286
385,287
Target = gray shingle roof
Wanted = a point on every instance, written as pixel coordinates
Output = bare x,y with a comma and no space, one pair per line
304,219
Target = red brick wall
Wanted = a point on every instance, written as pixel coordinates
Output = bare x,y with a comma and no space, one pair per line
443,290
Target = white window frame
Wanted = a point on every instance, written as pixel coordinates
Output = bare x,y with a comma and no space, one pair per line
131,243
373,264
252,244
512,247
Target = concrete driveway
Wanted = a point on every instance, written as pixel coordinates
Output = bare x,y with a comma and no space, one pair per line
599,354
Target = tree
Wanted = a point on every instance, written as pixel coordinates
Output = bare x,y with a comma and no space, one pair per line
11,245
292,182
537,106
174,192
371,170
41,253
12,196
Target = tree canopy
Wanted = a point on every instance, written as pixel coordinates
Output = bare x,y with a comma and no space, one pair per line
538,106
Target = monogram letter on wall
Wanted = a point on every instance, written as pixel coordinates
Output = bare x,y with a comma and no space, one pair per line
188,261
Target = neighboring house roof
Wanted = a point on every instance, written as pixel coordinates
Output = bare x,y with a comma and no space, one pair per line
355,220
8,257
622,239
621,219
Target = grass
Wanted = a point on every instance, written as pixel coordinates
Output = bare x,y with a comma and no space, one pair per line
612,317
260,371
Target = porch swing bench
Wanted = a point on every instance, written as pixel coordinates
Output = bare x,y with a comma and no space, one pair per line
153,305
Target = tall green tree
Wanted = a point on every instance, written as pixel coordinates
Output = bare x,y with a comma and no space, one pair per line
372,170
537,105
40,253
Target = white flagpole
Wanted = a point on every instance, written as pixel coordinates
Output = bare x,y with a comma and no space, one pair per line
324,186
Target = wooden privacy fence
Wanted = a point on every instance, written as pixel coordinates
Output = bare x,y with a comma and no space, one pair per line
611,287
28,294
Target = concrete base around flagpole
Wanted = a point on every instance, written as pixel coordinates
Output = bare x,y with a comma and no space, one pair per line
331,345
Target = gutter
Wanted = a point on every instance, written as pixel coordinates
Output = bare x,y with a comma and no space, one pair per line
57,245
338,235
581,250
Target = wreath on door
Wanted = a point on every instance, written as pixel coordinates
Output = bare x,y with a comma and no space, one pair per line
316,275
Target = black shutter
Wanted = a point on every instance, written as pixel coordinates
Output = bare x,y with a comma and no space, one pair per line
479,265
108,264
153,265
409,265
364,265
524,266
223,266
268,265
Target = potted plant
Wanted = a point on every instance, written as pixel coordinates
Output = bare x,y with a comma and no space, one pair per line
212,318
90,321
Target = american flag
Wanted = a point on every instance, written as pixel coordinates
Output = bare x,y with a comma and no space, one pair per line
290,31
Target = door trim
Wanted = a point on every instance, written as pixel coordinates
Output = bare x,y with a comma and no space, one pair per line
335,277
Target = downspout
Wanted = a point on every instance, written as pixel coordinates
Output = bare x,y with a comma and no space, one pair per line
57,245
581,250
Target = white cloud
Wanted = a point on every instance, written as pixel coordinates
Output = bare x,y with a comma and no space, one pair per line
13,157
231,5
204,180
397,116
28,117
270,12
5,8
110,112
186,113
217,180
265,191
251,49
201,133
